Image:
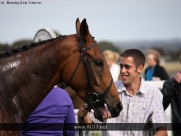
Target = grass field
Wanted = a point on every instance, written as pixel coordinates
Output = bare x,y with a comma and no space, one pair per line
171,67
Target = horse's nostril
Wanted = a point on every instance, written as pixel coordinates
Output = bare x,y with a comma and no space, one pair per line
119,107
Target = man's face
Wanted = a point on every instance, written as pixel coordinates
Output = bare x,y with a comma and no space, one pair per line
128,71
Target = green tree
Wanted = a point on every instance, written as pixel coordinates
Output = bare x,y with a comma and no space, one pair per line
105,45
21,43
159,49
4,47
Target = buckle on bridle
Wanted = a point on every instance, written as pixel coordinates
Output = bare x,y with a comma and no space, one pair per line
95,98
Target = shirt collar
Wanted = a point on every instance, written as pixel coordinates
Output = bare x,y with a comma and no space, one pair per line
142,88
120,87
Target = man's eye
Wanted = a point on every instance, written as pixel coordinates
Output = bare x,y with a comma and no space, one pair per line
121,66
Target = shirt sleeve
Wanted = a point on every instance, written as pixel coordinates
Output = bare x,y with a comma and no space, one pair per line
158,116
69,122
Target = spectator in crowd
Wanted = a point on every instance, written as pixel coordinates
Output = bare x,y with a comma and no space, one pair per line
141,102
53,116
154,71
172,94
111,59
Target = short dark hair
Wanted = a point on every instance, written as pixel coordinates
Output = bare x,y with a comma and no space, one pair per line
137,55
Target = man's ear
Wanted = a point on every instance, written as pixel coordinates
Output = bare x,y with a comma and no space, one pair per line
140,69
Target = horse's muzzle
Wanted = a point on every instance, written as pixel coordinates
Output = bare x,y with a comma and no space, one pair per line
115,111
101,113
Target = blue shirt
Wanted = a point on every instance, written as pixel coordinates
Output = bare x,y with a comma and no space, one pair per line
149,73
53,116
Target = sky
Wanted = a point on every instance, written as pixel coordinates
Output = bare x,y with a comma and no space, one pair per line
112,20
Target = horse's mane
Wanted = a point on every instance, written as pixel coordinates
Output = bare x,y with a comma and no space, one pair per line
26,47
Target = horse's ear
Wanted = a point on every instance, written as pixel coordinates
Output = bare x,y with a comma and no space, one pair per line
84,30
77,25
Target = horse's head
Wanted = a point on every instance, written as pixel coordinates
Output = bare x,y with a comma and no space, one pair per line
90,76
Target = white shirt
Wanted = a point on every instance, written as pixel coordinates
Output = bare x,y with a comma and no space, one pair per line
115,71
144,106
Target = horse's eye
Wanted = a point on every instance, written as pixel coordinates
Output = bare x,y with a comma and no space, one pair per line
98,63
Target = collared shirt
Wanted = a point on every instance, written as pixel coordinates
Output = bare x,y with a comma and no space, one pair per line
144,106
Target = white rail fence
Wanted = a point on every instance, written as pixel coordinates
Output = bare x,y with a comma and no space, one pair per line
158,84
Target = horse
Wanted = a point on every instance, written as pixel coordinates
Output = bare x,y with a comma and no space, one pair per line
28,74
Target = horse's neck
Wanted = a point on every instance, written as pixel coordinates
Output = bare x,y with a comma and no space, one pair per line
27,77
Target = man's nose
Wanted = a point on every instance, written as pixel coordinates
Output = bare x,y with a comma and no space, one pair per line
122,70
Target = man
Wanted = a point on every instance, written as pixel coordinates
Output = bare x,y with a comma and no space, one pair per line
172,94
141,102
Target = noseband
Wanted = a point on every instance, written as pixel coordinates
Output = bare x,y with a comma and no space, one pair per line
94,99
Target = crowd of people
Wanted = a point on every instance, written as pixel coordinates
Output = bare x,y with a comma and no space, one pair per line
142,103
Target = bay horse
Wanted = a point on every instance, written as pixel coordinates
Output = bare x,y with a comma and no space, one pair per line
28,74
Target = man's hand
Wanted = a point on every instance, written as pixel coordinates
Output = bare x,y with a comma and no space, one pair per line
82,110
161,131
178,77
82,113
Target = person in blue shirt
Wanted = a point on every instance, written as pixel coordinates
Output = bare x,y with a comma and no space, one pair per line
53,116
154,72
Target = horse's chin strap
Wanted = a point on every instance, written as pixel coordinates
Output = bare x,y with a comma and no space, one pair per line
97,100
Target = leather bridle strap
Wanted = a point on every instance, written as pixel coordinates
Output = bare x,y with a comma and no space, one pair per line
90,93
70,79
81,50
88,47
99,99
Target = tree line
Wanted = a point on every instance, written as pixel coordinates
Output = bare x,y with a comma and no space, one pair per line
104,45
17,44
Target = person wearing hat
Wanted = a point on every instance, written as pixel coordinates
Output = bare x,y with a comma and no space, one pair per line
111,59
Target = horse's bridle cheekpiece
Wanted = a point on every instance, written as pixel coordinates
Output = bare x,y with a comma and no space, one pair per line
94,99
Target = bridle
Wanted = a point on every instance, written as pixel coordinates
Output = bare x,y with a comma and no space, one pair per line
93,99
